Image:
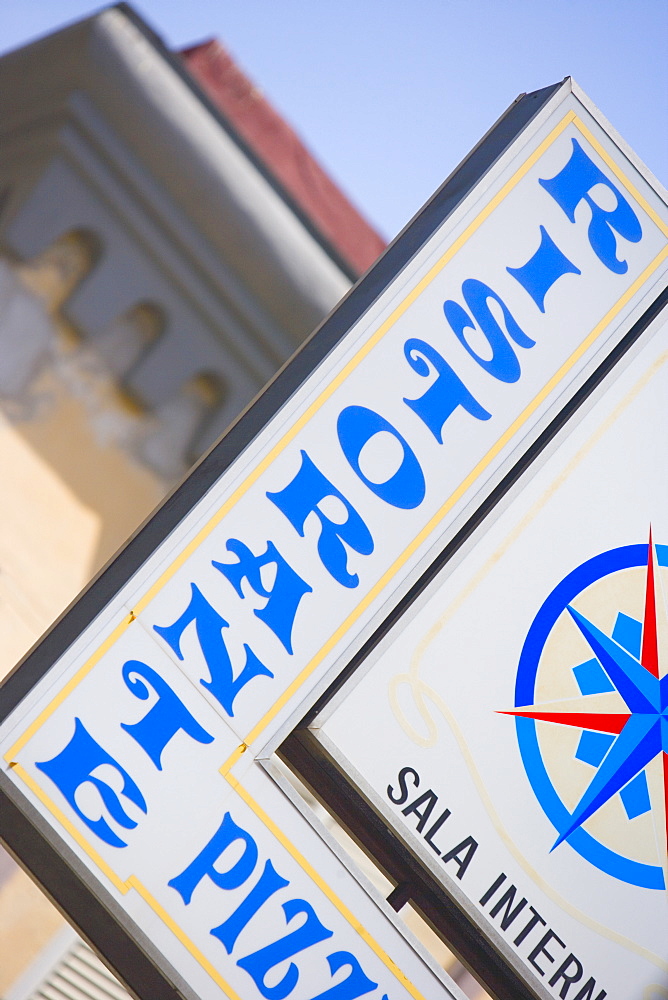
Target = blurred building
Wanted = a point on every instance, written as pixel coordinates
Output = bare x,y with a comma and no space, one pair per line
166,243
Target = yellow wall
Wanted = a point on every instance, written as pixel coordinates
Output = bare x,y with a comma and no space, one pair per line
67,503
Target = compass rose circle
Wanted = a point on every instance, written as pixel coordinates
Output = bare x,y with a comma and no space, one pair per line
611,703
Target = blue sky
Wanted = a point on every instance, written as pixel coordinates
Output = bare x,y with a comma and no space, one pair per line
391,94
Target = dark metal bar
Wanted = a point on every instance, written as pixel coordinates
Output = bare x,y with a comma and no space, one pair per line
400,895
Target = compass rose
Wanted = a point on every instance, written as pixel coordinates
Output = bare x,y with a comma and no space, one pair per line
621,713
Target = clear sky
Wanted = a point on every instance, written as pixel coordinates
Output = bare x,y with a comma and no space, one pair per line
391,94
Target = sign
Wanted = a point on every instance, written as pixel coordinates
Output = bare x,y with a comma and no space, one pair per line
138,738
516,739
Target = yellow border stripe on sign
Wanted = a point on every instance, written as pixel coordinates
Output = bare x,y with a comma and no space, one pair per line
94,855
199,956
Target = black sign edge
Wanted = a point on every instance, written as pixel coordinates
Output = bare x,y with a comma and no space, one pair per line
61,876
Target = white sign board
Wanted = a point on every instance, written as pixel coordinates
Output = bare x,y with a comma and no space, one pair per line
139,747
516,734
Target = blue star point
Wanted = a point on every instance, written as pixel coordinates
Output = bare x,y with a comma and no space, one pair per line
639,736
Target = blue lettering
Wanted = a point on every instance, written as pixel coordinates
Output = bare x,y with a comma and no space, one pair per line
209,626
356,426
261,962
302,497
446,392
169,715
573,185
355,985
204,864
74,766
268,883
309,932
283,596
540,272
503,364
